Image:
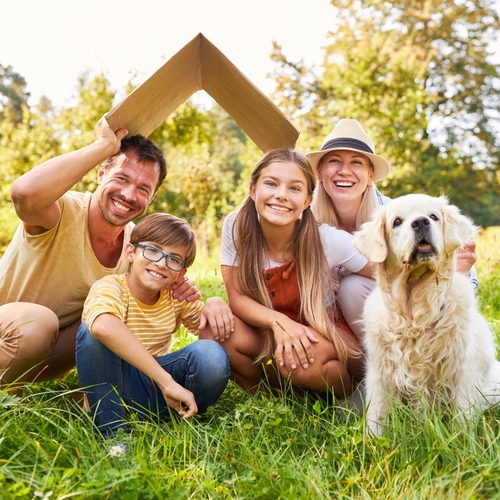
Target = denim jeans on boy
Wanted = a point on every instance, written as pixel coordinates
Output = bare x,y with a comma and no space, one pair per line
109,382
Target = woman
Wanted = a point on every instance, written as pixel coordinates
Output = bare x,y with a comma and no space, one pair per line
347,169
276,265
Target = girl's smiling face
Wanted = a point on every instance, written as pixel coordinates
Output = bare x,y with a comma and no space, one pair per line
280,193
345,174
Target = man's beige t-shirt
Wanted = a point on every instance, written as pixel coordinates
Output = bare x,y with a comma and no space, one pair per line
57,268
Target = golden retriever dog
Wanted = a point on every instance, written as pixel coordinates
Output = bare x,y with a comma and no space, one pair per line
425,340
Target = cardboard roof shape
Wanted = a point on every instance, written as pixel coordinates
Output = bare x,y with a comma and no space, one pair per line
201,66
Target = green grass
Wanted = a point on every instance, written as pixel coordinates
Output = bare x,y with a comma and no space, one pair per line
289,447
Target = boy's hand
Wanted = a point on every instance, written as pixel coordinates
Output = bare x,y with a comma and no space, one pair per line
218,315
180,399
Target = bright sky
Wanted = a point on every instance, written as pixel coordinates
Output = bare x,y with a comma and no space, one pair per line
51,42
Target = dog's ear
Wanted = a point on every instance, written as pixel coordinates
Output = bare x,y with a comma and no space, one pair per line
457,228
370,239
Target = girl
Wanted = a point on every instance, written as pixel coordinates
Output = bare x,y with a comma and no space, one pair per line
276,264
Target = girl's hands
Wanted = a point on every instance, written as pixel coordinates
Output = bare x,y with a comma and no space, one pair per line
219,316
293,341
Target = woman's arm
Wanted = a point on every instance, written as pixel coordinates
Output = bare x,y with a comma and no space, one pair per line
368,270
339,251
118,337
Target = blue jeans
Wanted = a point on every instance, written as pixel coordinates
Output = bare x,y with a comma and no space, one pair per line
114,387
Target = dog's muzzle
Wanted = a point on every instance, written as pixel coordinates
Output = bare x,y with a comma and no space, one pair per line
424,249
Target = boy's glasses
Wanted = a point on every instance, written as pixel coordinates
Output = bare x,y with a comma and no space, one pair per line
155,255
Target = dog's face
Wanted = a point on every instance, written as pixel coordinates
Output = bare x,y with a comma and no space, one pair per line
414,230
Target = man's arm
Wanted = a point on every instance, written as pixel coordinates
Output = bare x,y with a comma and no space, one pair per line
185,289
35,193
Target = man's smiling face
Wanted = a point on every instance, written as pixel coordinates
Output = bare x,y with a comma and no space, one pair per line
126,188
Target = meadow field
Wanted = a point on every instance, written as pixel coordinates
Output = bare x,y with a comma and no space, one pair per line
253,447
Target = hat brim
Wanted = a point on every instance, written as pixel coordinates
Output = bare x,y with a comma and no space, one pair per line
381,166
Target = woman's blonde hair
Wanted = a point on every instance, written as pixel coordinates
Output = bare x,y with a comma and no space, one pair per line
324,211
317,306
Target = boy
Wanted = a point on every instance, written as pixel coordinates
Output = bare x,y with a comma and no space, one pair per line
122,351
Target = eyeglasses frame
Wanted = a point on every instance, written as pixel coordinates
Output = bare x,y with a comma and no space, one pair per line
163,256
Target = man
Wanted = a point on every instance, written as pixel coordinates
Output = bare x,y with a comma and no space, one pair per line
68,240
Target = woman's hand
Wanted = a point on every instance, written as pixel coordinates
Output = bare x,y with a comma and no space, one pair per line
466,257
293,341
218,315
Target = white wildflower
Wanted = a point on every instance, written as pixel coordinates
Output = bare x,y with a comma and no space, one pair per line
118,450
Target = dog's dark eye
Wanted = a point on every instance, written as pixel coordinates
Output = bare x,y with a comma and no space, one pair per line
397,222
433,217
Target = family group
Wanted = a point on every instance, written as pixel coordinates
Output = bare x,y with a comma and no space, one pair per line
82,285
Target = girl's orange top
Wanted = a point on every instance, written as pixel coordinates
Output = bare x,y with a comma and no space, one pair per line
283,287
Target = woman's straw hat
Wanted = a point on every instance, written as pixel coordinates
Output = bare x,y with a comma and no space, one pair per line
349,135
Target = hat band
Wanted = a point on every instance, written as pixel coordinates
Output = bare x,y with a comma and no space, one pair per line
346,142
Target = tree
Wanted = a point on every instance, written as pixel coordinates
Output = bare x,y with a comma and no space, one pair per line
13,94
419,77
23,145
76,124
38,133
207,153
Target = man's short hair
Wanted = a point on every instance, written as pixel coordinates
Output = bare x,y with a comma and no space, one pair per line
145,149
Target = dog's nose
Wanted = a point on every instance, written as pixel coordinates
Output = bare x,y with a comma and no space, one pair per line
420,223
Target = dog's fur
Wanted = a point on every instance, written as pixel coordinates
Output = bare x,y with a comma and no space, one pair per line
425,340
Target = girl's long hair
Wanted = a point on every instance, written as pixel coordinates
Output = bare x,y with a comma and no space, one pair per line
317,306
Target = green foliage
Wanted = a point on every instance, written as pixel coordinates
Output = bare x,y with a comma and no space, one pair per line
418,76
288,447
207,153
76,124
13,94
488,264
23,144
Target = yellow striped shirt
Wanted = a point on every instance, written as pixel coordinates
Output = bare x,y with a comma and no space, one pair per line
152,325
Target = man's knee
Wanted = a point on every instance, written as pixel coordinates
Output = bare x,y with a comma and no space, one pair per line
26,330
27,334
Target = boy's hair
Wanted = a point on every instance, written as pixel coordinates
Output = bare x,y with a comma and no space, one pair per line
145,149
316,304
167,230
